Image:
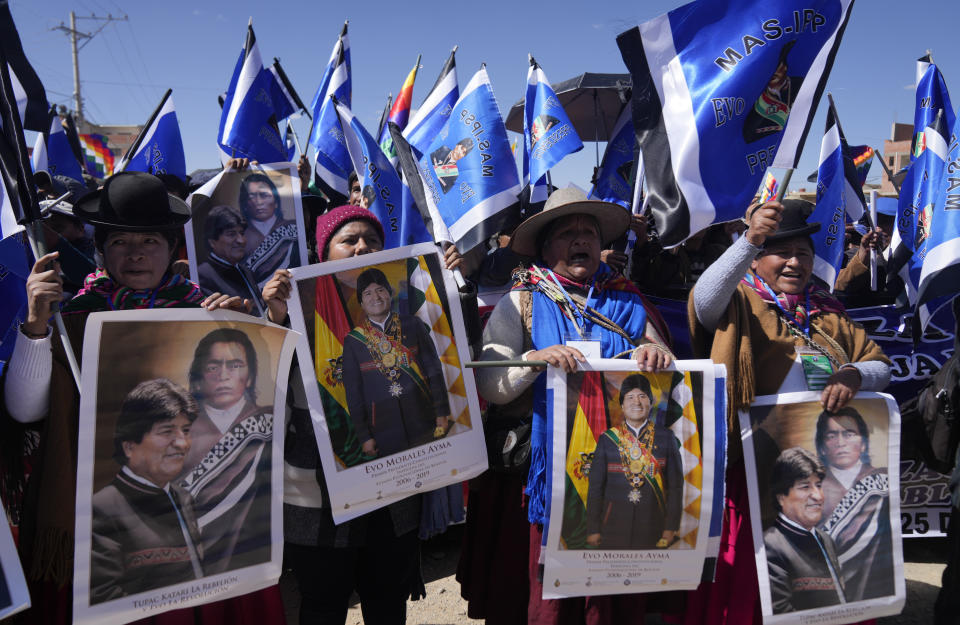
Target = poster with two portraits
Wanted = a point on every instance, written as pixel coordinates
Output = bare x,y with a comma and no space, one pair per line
244,226
180,453
826,530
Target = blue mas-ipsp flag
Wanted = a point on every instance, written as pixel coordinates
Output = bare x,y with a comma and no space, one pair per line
548,134
382,190
721,91
613,178
468,170
333,164
940,270
435,110
838,194
248,122
160,150
932,95
918,192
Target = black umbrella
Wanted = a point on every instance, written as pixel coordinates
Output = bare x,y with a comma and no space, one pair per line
592,102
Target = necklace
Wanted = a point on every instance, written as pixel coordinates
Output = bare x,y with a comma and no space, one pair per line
636,458
384,350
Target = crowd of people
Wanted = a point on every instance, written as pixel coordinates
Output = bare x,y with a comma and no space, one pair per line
753,306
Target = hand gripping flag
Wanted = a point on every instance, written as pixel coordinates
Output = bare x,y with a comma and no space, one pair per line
839,194
720,94
932,96
433,113
158,149
56,155
468,170
940,269
918,193
548,134
333,164
30,96
382,191
248,121
399,114
613,178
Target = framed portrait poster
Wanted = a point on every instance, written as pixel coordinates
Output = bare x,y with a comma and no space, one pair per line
244,226
180,479
381,353
632,478
826,530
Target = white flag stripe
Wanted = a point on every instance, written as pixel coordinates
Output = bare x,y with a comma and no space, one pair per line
678,119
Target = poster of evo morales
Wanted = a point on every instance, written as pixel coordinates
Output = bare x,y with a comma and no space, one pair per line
179,485
394,410
826,530
246,225
633,465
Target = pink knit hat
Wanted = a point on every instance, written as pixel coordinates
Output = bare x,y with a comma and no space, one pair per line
331,221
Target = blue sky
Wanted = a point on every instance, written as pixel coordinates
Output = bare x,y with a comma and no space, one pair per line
192,47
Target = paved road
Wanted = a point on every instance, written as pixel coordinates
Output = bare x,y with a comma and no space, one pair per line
443,606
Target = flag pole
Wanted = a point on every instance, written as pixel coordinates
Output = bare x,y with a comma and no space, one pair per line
886,169
490,364
782,190
25,195
873,252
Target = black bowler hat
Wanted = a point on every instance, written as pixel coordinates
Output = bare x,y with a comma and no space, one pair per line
793,221
134,201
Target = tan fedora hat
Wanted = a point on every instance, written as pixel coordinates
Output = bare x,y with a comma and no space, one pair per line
612,218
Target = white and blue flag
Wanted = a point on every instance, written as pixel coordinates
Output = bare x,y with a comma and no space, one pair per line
382,191
839,195
918,192
159,147
469,171
932,96
721,92
286,101
248,121
940,267
432,116
290,142
548,134
55,155
613,178
333,166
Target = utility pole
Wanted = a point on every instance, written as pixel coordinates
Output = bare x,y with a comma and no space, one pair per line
75,35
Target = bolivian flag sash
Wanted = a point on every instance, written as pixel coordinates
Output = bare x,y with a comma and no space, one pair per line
649,468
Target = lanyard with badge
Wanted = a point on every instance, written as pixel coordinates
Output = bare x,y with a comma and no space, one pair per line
586,339
817,364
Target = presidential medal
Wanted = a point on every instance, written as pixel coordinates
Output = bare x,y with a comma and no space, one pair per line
384,346
396,390
634,496
389,359
636,466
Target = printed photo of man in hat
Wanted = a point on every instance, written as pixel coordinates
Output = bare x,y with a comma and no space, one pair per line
396,392
635,494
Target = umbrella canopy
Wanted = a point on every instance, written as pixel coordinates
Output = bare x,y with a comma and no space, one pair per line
592,101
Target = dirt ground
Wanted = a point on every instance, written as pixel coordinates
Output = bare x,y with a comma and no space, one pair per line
923,567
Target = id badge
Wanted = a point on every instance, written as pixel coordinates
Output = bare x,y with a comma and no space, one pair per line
588,344
816,368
